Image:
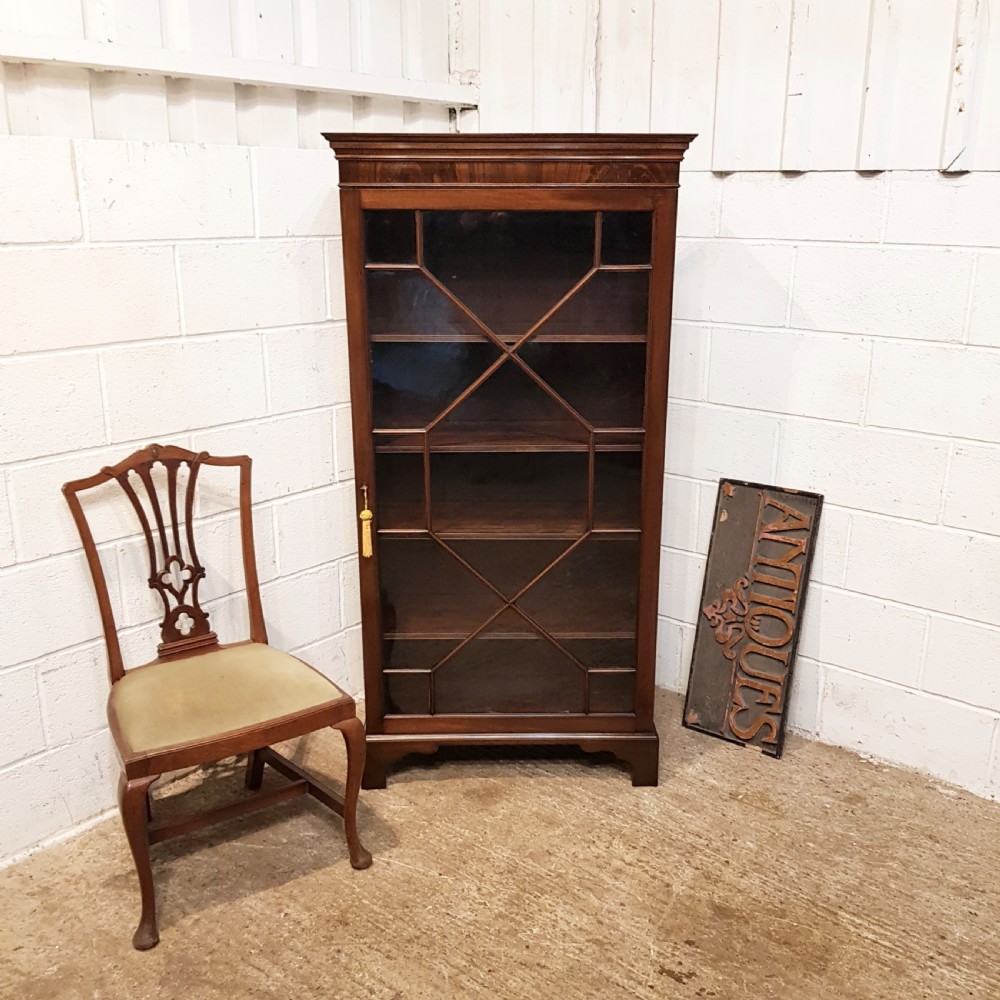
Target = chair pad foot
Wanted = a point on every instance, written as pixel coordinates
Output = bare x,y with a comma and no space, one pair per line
362,861
145,938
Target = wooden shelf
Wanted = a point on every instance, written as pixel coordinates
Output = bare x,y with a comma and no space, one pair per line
500,533
538,436
508,339
426,591
501,636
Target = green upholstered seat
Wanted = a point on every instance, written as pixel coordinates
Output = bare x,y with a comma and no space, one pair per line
207,696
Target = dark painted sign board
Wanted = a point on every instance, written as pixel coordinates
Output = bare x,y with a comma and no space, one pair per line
751,606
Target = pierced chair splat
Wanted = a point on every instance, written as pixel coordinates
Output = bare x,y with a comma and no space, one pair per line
201,700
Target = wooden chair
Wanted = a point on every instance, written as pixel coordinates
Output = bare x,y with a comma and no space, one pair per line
200,701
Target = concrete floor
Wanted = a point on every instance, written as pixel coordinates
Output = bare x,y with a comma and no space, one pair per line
818,876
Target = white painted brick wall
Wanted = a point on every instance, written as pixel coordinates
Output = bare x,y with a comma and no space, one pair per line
831,372
936,389
839,333
83,296
39,191
240,286
984,325
732,282
165,191
190,294
971,501
843,207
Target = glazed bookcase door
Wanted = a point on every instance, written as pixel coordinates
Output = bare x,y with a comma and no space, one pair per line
508,355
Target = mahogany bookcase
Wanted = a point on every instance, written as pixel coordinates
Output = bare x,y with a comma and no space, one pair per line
508,307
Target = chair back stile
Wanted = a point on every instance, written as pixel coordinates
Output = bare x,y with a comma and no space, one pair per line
175,575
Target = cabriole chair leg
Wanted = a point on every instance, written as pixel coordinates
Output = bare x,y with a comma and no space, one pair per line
354,736
132,803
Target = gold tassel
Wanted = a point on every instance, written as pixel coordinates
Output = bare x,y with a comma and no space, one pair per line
366,528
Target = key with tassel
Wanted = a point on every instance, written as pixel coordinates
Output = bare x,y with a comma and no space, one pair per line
366,527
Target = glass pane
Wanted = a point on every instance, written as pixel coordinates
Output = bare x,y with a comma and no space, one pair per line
603,654
509,463
594,589
425,590
612,304
510,409
407,304
510,624
414,383
390,237
604,383
509,675
510,564
399,496
618,489
407,693
530,493
612,692
509,268
415,654
626,237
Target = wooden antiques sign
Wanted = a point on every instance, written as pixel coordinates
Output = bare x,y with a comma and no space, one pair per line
751,605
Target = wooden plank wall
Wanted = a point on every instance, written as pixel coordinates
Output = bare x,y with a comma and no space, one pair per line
398,38
792,85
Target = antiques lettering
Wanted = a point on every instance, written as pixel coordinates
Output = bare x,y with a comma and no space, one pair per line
755,620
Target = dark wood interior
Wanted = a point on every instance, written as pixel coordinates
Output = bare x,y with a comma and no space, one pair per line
509,369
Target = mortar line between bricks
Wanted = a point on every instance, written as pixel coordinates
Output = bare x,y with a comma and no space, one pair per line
942,507
252,155
712,324
340,634
59,838
108,545
179,239
175,339
886,208
265,366
791,284
904,431
216,603
249,422
273,510
827,666
825,585
925,642
81,204
179,286
44,711
249,238
48,751
943,699
820,690
706,379
973,277
901,605
846,509
848,532
993,772
868,244
327,295
105,409
707,325
867,392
